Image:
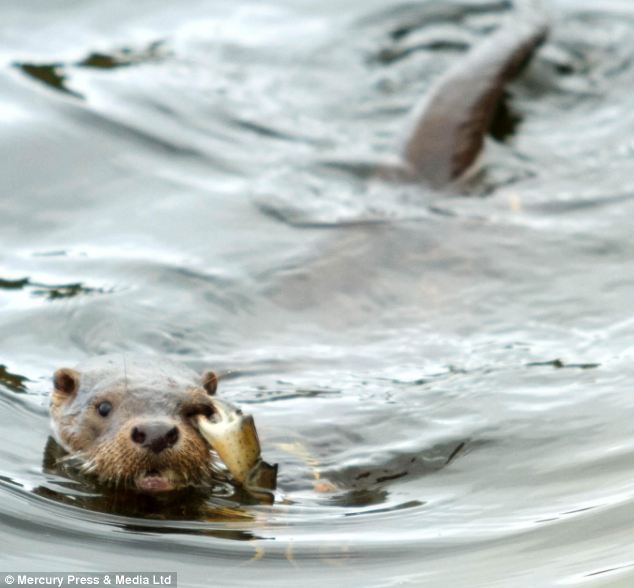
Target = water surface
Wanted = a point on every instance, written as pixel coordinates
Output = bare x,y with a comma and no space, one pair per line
193,179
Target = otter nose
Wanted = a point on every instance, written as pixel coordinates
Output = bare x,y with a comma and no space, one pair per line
155,436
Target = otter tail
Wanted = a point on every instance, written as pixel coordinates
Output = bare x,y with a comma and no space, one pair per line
451,123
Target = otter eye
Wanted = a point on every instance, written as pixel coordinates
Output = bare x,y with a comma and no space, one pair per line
104,408
198,409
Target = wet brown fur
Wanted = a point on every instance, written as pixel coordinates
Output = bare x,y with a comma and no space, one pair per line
117,461
170,394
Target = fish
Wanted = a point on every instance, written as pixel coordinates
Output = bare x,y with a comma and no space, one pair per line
233,436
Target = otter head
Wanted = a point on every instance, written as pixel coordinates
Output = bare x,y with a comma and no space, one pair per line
132,421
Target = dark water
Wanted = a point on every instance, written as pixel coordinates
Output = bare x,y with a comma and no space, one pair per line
191,179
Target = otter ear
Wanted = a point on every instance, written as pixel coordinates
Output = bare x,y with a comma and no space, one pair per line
210,382
66,381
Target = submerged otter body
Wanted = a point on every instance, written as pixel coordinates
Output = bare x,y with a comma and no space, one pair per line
132,421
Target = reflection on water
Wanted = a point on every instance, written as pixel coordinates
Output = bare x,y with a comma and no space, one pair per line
49,291
442,379
51,75
55,77
14,382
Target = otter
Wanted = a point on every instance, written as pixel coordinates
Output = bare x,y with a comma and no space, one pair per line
143,423
136,421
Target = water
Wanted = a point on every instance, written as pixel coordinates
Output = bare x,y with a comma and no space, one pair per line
192,179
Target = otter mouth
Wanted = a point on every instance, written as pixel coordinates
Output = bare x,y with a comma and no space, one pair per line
155,481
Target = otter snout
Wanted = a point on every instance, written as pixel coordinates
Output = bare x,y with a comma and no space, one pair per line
155,436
